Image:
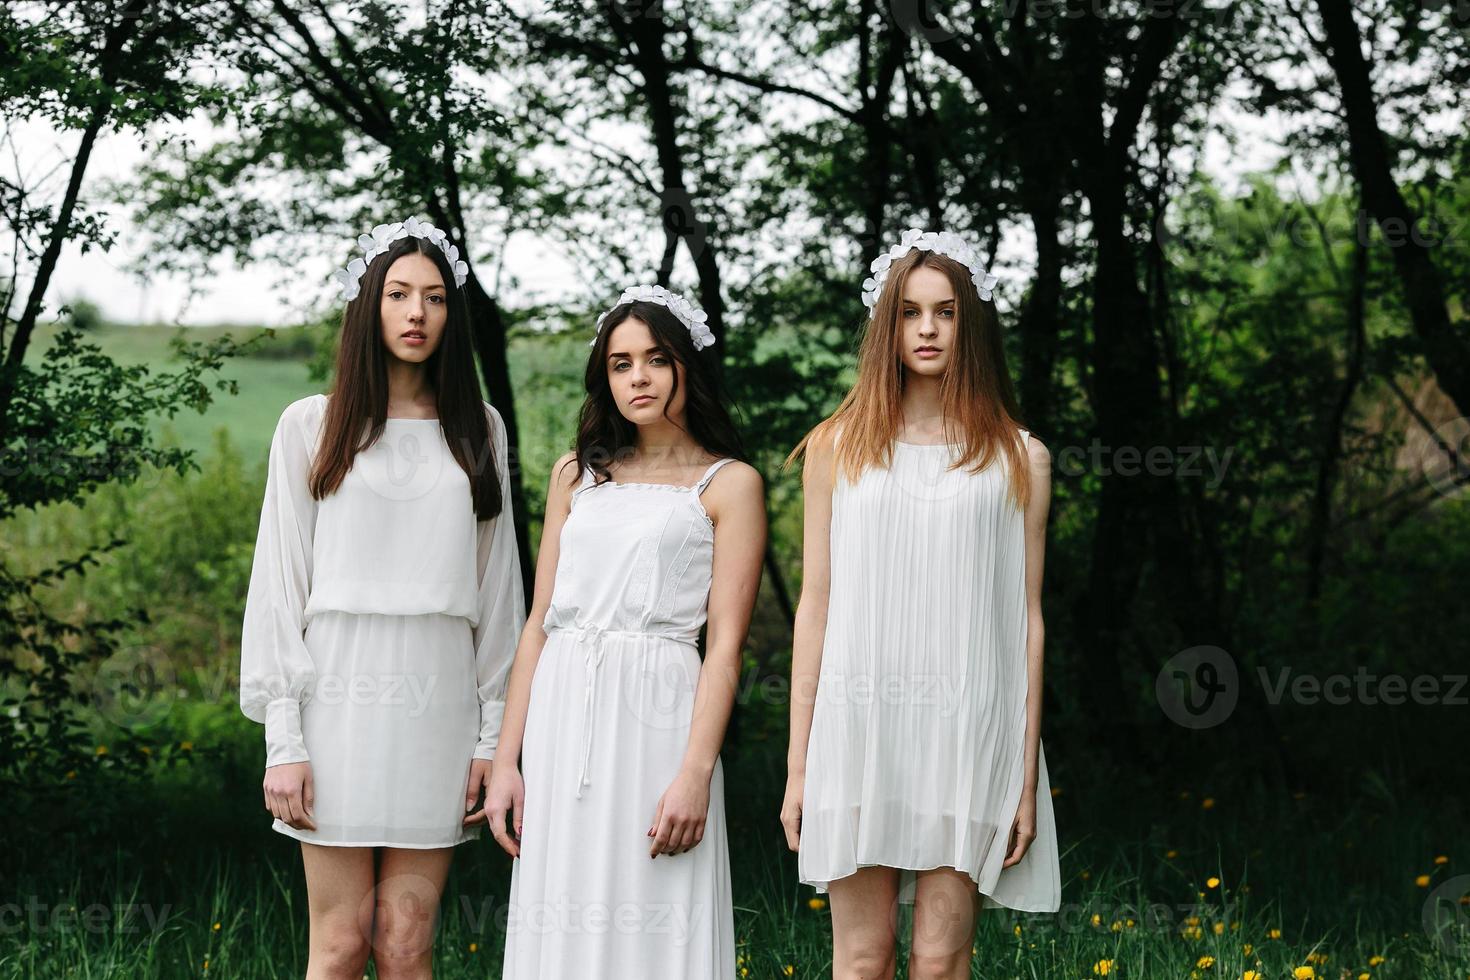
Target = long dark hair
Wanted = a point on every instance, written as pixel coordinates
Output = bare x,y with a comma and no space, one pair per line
358,409
605,436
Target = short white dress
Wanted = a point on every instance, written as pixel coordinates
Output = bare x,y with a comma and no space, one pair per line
379,630
607,727
916,757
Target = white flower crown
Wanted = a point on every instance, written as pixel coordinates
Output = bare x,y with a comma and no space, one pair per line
942,242
377,243
689,314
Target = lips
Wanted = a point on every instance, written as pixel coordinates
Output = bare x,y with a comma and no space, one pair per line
641,399
414,334
926,350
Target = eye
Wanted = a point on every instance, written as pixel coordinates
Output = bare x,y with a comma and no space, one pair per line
658,359
396,294
910,311
946,312
437,299
619,365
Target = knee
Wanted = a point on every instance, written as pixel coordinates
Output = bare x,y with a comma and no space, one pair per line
340,951
865,961
402,952
939,965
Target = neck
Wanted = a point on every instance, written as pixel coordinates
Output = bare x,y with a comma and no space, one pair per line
663,440
408,387
921,399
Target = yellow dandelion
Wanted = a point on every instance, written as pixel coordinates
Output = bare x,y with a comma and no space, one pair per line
474,947
1365,975
1246,949
740,960
216,927
1212,882
1017,930
1116,926
1274,934
187,746
1131,923
1376,961
1102,968
145,750
72,774
1205,962
1096,919
1193,920
1219,928
1086,875
1056,791
816,904
788,969
1208,803
1171,855
1250,975
1422,881
101,750
1442,859
1318,958
745,971
1304,973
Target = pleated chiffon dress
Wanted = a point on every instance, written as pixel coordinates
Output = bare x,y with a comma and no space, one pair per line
916,756
607,729
380,625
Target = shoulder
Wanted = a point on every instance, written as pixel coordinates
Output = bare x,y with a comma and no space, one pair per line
497,423
737,477
1040,456
565,472
303,412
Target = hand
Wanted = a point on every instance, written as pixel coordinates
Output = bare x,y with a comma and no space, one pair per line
479,779
290,794
678,821
506,792
1023,831
791,809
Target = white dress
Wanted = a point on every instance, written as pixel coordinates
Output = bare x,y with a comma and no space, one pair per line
379,630
917,751
606,732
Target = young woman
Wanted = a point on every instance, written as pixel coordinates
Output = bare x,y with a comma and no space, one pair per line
653,526
915,770
383,609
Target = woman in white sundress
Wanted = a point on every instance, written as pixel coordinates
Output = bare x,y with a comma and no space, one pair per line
915,769
653,526
384,605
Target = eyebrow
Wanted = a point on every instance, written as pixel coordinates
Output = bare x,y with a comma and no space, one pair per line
400,282
623,353
913,302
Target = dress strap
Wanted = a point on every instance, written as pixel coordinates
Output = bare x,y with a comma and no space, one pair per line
709,474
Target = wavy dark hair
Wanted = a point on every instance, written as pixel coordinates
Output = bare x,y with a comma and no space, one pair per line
604,436
358,409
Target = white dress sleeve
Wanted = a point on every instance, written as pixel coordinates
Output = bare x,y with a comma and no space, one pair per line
276,671
501,601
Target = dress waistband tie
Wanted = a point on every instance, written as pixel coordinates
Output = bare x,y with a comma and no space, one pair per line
592,637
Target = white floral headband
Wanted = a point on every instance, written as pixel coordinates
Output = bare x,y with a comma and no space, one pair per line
377,243
942,242
689,314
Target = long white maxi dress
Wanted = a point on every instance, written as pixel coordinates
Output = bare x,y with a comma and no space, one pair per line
606,731
916,757
379,630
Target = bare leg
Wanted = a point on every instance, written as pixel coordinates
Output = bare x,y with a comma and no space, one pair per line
339,886
865,925
946,904
410,884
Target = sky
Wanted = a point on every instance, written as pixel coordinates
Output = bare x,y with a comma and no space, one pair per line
252,295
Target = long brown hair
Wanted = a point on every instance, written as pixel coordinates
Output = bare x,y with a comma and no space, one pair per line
358,409
978,400
604,436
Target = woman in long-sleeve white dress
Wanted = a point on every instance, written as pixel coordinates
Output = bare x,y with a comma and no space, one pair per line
384,605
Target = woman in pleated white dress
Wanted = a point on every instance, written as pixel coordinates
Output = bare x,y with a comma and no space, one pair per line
653,528
915,769
384,605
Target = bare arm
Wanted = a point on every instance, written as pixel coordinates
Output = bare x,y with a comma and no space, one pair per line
506,791
1023,830
735,501
811,623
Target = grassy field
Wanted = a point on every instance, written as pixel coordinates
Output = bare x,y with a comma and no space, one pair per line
1166,874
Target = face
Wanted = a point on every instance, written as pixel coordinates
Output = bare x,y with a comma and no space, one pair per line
927,320
641,375
413,307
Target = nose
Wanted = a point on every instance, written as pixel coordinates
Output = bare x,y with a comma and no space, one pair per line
929,327
416,310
